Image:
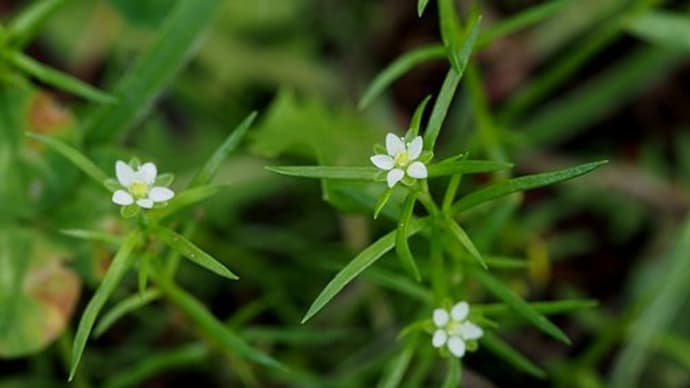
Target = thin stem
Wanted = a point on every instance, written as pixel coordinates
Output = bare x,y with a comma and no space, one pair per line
425,198
451,191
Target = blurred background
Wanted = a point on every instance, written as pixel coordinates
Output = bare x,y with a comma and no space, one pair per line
594,79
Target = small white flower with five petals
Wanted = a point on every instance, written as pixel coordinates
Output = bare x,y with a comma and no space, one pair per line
401,159
138,187
454,330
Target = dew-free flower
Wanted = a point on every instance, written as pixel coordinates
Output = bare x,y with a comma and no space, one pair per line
453,329
139,187
401,159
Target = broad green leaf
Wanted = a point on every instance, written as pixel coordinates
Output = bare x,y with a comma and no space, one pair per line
416,120
210,168
421,5
519,21
124,307
56,78
398,68
26,24
664,28
504,351
74,156
184,199
459,233
328,172
156,363
118,267
361,262
501,189
522,308
466,167
397,367
213,328
402,247
546,308
152,72
187,249
450,84
93,235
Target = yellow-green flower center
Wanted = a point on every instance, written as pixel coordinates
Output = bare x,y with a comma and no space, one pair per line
139,189
401,159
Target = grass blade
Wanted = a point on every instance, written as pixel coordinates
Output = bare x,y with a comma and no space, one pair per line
466,167
398,68
459,233
501,189
402,247
213,328
328,172
146,79
663,28
120,264
124,307
510,355
25,25
522,308
74,156
361,262
208,171
187,249
56,78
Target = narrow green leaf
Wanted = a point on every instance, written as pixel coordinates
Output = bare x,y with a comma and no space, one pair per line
145,80
56,78
416,121
402,247
92,235
361,262
504,351
501,189
452,379
526,18
398,68
466,167
26,24
497,262
208,171
213,328
157,363
124,307
120,264
546,308
382,202
185,199
663,28
421,6
451,31
459,233
74,156
501,291
328,172
187,249
398,366
450,85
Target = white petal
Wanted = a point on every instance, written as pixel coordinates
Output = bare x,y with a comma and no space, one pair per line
470,331
440,317
459,311
125,175
145,203
394,144
161,194
123,198
439,339
394,176
456,346
384,162
148,172
417,170
414,149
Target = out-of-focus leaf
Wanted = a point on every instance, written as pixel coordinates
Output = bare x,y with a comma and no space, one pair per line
184,199
459,233
26,24
361,262
663,28
148,13
546,308
510,355
124,307
328,172
416,120
519,21
421,5
93,235
119,266
397,367
452,379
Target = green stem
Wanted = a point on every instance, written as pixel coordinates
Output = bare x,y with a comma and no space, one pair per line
451,191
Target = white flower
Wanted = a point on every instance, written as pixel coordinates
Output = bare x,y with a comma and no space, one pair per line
139,186
453,329
401,159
